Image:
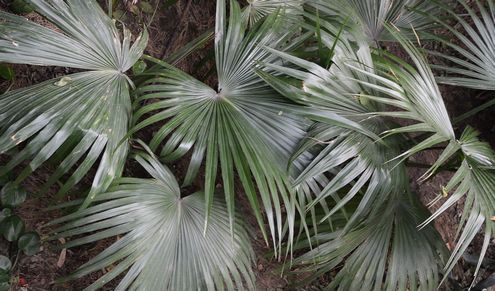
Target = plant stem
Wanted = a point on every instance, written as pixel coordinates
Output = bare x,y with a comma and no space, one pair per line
15,263
427,166
474,111
418,165
110,8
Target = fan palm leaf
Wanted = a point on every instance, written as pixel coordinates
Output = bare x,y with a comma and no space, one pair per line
371,16
477,65
83,113
237,125
352,156
244,124
367,187
419,96
415,91
389,241
257,9
164,245
475,178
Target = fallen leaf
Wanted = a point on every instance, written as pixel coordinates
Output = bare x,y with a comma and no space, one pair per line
63,254
62,82
109,268
61,259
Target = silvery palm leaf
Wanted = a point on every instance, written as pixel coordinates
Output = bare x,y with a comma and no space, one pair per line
77,118
420,98
244,124
477,66
257,9
367,190
474,179
385,252
370,15
353,157
164,245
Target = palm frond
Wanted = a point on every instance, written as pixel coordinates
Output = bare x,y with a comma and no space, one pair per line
364,182
164,246
478,63
475,178
414,90
91,40
389,241
257,9
372,15
81,113
419,96
238,125
347,149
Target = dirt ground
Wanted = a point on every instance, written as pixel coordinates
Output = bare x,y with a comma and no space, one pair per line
40,270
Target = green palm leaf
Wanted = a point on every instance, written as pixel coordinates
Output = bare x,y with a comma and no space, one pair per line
364,198
84,113
475,178
419,96
415,91
371,16
347,150
389,241
164,246
477,64
257,9
244,124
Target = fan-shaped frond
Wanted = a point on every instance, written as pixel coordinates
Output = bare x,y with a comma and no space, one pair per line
89,40
419,96
363,181
244,124
257,9
475,178
347,149
389,241
372,15
478,62
414,90
84,113
164,245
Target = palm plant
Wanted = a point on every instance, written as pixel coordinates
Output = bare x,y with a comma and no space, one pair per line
412,89
257,9
77,136
86,113
255,113
477,67
240,124
244,123
164,239
368,188
310,129
372,16
385,251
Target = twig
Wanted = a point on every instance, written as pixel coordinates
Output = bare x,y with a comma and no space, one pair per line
176,31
